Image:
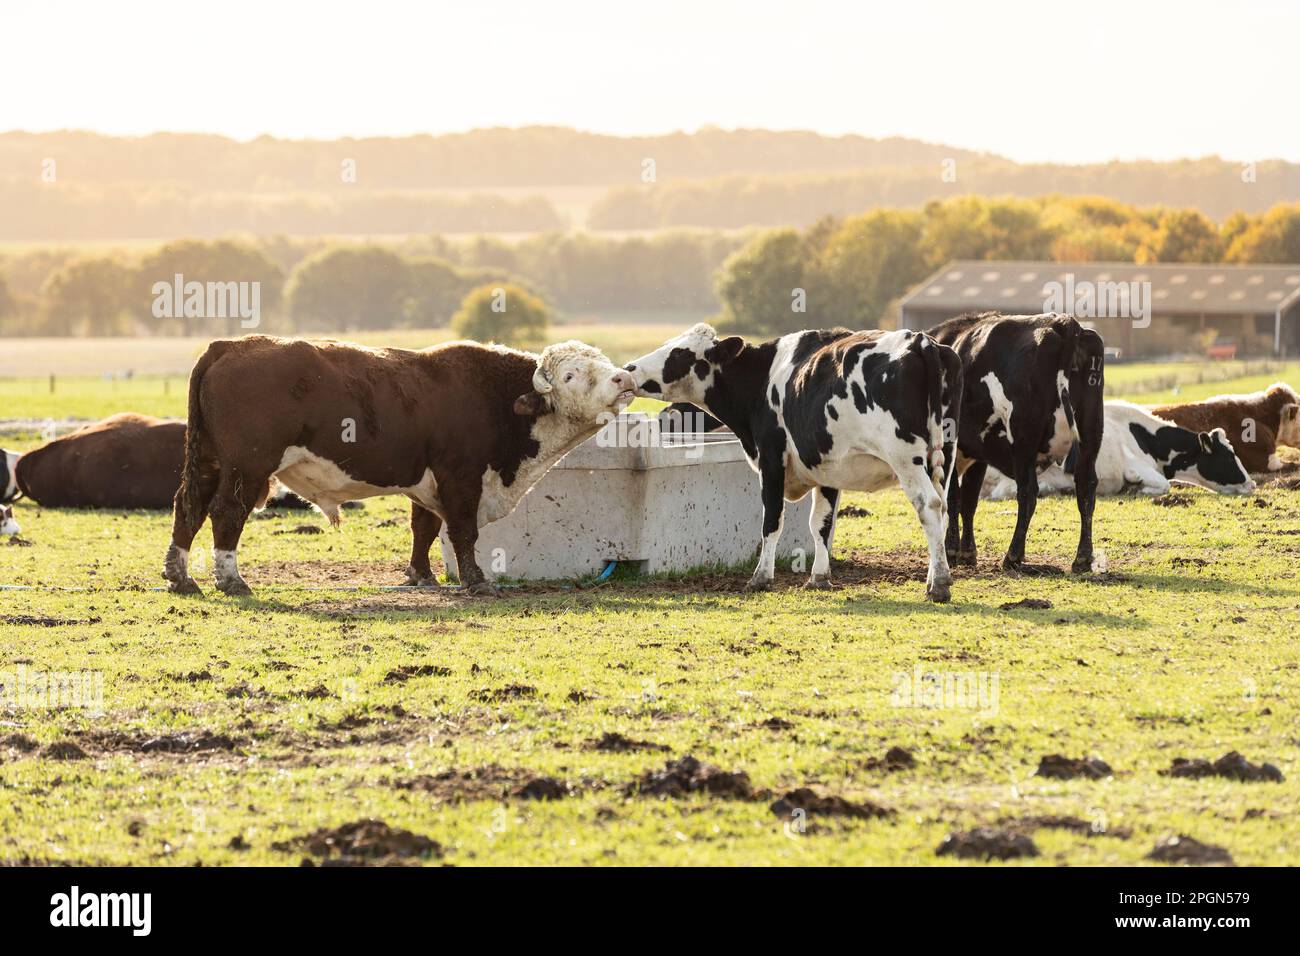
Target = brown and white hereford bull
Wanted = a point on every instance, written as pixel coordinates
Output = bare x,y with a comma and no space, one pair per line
462,429
1255,423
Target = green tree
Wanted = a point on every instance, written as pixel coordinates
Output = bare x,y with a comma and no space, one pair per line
1182,235
864,265
761,284
346,288
1272,238
223,261
7,304
505,313
88,297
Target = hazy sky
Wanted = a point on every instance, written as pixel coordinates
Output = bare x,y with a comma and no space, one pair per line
1034,81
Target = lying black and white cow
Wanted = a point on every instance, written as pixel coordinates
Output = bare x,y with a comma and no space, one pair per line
1033,385
1139,450
825,410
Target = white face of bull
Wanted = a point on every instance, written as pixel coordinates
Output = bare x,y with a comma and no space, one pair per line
681,369
1289,430
575,381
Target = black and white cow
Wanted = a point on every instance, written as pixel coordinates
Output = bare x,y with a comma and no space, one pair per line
1139,450
826,411
1033,386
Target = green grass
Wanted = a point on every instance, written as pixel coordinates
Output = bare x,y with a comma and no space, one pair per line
94,397
1172,660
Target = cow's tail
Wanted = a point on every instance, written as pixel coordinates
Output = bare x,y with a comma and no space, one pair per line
944,380
189,503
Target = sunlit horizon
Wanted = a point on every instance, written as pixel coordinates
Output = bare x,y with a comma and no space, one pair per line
1067,84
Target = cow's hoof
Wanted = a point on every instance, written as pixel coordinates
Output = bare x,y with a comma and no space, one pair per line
185,586
758,584
818,582
416,580
1013,564
967,559
1081,565
938,593
485,588
235,587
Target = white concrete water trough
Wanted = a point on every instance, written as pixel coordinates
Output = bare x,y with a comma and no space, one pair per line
636,495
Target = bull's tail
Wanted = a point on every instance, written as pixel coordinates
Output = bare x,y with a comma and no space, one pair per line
944,380
190,506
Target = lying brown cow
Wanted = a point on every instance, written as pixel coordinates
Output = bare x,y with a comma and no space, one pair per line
1256,423
463,430
124,461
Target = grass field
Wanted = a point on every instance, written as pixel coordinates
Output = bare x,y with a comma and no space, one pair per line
162,367
233,728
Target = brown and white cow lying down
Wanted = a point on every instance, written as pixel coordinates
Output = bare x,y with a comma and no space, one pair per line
462,429
1255,423
125,461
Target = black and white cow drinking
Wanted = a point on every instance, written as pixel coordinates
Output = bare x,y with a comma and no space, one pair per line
1033,386
826,411
1140,451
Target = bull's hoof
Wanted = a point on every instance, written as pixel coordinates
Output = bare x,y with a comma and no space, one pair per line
416,580
235,587
1081,565
1012,564
485,588
758,584
185,586
939,593
965,558
818,582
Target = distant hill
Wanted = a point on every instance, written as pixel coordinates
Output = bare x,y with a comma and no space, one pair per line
69,186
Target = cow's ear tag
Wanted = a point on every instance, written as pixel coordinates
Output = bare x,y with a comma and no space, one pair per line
724,350
530,403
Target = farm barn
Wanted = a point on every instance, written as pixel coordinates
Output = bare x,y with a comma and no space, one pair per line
1219,311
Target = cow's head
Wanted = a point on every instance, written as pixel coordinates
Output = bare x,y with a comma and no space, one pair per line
1288,432
682,369
576,381
8,523
8,476
1216,466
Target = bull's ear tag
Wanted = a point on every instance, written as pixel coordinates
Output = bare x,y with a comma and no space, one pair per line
1248,429
349,434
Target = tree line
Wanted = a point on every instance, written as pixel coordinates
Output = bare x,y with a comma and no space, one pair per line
846,271
852,271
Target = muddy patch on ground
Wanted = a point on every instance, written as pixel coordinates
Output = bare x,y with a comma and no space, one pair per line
1075,825
1185,849
1231,766
325,572
36,620
986,843
363,843
774,723
689,775
63,750
1172,500
18,743
614,742
488,783
503,695
1061,767
404,673
895,758
1031,604
814,804
185,742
